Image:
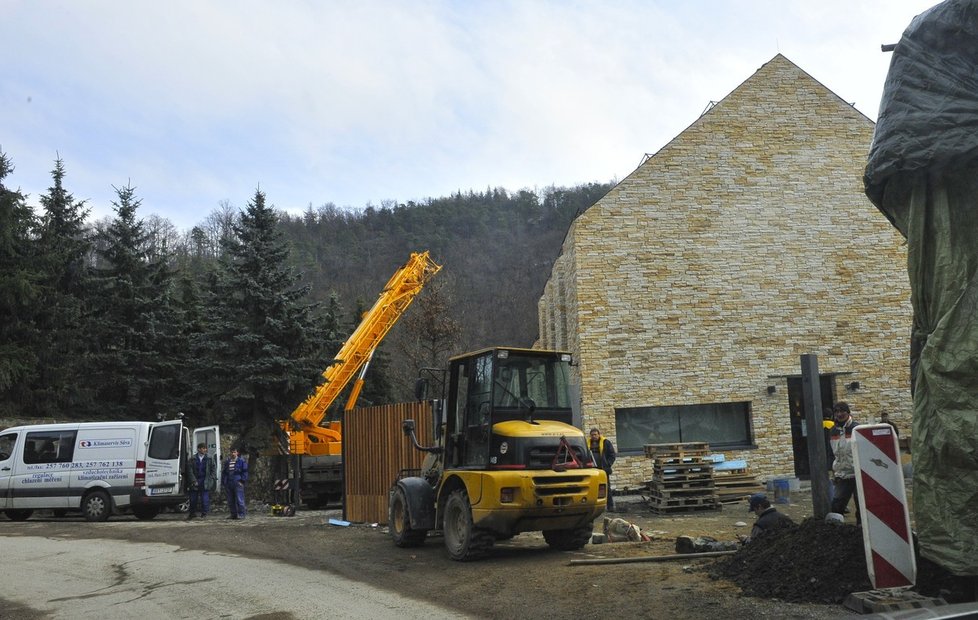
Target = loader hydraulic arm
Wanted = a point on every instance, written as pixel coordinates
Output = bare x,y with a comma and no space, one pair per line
306,436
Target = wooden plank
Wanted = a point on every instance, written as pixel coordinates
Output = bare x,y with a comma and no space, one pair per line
653,558
675,509
682,486
374,451
679,466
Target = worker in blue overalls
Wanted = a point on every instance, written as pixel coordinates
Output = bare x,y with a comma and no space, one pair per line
234,475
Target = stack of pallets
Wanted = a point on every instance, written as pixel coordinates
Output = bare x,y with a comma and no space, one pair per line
682,478
734,481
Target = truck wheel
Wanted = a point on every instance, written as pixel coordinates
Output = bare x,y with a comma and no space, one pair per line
568,540
145,513
399,522
96,506
18,515
463,541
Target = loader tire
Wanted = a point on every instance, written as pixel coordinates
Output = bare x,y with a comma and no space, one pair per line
399,522
463,540
568,540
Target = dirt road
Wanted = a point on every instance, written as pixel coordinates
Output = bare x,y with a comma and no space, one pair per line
522,578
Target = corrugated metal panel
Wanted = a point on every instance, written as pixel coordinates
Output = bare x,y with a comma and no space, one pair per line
374,451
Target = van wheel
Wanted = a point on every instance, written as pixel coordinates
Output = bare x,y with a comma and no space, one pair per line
96,506
18,515
568,540
399,522
145,513
462,539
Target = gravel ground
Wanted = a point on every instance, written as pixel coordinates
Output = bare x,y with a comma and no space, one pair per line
521,578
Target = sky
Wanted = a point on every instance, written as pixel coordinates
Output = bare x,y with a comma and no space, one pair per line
199,103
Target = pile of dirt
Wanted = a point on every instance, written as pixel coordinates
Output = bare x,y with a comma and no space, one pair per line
819,562
814,562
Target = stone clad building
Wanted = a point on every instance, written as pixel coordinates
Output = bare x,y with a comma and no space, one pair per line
690,291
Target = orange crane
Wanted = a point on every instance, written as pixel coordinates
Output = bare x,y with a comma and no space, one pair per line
319,445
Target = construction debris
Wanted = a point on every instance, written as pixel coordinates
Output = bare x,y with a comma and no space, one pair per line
620,530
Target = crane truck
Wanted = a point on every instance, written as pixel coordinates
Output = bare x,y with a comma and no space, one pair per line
316,446
507,458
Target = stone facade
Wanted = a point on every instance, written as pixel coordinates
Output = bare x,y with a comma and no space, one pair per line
744,243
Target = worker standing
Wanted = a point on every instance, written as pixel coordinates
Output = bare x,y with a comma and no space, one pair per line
604,457
203,480
843,468
234,475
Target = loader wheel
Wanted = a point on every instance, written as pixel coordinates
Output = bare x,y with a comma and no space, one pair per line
568,540
463,541
399,522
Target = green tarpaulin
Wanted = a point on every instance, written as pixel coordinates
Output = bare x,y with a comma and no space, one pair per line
922,174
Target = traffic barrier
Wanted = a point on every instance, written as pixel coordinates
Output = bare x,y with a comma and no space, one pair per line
883,505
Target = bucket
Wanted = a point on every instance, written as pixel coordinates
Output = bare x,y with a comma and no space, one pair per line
782,491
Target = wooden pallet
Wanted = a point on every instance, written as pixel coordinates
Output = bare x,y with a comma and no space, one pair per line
684,472
689,493
738,497
669,509
734,485
677,451
687,500
732,472
704,483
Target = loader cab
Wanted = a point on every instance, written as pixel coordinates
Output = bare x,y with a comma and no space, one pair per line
491,386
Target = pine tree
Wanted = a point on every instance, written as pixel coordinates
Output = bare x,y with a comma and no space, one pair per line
61,388
138,339
18,295
263,348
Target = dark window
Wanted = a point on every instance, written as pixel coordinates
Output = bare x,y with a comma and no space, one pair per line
49,447
7,445
477,411
722,425
164,442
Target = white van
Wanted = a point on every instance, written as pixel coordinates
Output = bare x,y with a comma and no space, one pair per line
99,468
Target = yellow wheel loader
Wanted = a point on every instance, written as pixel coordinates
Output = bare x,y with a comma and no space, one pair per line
507,458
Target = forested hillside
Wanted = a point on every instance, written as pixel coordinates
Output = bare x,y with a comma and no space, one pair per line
496,250
234,320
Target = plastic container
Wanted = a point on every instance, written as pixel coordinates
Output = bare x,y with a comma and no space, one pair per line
782,491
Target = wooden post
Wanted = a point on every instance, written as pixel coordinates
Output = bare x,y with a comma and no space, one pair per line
817,460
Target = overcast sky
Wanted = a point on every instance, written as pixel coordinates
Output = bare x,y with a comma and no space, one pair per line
197,102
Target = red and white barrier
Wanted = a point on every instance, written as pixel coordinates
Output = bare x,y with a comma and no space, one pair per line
883,504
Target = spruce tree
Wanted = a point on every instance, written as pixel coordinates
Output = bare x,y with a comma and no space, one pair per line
261,343
18,296
61,387
138,338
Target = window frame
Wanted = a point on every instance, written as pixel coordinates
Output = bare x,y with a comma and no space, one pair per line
746,410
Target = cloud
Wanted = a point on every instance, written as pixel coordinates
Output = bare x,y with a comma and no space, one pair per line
356,102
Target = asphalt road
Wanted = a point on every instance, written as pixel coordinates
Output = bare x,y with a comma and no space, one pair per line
110,579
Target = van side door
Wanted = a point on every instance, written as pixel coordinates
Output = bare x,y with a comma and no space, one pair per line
8,441
164,458
41,478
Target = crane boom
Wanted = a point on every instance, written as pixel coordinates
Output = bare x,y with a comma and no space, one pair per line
306,436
